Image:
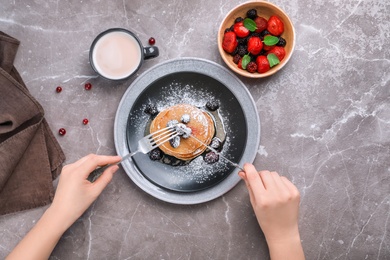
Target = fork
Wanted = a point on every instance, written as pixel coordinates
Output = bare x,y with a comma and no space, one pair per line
145,145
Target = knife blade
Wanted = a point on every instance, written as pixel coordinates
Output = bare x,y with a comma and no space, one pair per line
218,153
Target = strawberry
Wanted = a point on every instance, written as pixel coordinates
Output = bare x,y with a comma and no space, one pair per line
278,51
262,64
239,65
240,30
229,42
255,45
275,25
261,24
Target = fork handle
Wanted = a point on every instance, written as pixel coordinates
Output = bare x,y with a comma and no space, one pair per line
92,177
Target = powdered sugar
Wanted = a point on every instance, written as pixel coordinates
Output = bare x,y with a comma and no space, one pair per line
197,170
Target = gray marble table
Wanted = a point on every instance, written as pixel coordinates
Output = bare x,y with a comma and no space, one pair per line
325,124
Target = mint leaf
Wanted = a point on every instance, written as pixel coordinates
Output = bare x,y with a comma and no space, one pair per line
245,60
250,24
270,40
272,59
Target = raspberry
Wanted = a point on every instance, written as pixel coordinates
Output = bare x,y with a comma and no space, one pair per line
251,67
236,58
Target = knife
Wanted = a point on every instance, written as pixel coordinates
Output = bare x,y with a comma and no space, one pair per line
218,153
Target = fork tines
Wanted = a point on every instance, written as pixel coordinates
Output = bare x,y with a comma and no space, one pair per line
163,135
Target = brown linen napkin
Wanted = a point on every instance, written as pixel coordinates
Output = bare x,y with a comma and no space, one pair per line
30,156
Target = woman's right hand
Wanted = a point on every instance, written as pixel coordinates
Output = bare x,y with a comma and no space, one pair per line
275,201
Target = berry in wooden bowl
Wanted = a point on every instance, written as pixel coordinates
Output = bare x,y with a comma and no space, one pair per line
256,39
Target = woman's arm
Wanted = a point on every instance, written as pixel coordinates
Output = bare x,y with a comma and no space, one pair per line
73,197
275,201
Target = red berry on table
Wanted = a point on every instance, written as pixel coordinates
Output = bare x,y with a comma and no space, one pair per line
275,25
85,121
261,24
152,41
58,89
255,45
62,131
88,86
262,64
229,42
280,52
240,30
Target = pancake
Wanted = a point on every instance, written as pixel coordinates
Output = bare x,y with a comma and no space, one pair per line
201,124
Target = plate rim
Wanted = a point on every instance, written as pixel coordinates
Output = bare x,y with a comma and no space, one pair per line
211,69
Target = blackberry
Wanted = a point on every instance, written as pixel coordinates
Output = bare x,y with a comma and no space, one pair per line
252,13
281,42
230,29
251,67
211,158
236,58
216,143
155,154
151,110
238,19
235,51
242,41
185,118
212,105
242,50
262,52
264,33
255,34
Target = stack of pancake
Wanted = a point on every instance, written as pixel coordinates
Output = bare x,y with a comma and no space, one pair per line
201,124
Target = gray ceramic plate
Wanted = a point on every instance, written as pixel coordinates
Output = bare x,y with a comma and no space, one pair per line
193,81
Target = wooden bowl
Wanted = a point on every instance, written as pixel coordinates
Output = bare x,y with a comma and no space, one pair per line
264,9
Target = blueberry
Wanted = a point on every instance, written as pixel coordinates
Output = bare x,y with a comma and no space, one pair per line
155,154
151,110
211,158
212,105
172,123
175,142
185,118
187,133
